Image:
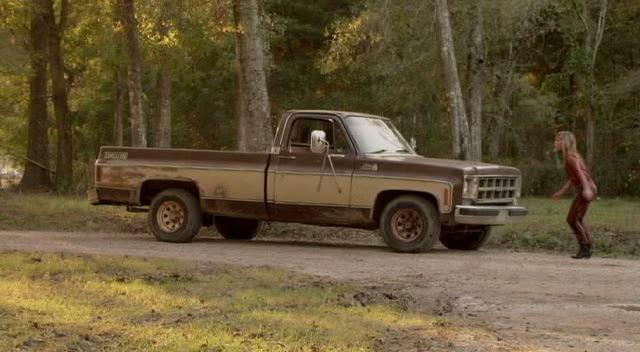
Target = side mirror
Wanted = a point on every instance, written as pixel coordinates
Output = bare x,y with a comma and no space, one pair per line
319,142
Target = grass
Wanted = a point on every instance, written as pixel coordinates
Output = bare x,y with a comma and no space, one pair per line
34,212
614,225
65,303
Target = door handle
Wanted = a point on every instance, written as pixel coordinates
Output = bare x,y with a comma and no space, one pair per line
290,157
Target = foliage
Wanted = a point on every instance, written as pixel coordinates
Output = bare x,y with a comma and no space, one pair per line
377,56
535,49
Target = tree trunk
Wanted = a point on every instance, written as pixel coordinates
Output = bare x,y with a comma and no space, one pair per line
585,81
254,130
590,127
460,127
583,86
36,172
64,152
496,132
163,128
239,103
136,99
162,133
504,95
476,83
121,106
591,101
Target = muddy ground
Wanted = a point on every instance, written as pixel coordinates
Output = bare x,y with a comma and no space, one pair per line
542,301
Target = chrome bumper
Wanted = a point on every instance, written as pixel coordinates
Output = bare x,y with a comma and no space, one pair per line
489,215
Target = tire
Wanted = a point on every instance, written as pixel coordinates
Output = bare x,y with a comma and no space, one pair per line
465,238
175,216
237,228
410,224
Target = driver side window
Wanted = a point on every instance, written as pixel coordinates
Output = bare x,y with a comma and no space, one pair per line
300,135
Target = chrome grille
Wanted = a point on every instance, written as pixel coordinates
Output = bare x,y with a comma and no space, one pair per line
497,189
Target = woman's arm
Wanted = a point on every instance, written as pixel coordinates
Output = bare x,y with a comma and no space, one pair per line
562,190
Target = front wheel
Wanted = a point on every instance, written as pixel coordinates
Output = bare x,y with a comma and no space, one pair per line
237,228
175,216
410,224
466,238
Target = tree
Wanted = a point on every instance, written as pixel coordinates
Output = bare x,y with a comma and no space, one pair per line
64,151
136,98
254,130
163,126
460,128
36,172
504,93
585,81
162,132
120,111
379,56
476,64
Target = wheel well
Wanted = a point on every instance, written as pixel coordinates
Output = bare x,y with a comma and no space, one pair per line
151,188
385,197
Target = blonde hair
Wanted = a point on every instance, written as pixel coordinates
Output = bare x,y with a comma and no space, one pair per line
568,141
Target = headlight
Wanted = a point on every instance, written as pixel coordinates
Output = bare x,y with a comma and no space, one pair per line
470,187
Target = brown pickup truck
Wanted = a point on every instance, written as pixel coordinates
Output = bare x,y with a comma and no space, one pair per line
324,168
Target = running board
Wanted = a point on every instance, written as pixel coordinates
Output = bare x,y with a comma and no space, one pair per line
136,209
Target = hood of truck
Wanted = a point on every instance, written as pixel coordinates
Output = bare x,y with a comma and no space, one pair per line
463,166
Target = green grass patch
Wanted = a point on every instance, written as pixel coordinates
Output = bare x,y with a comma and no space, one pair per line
33,212
614,225
63,302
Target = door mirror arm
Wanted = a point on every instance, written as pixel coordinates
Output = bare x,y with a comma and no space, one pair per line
319,144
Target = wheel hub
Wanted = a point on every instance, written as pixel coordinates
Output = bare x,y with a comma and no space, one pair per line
407,225
170,216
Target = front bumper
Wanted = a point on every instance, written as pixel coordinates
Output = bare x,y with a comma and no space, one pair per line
489,215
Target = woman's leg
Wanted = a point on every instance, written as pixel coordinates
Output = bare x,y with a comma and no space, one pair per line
575,219
584,227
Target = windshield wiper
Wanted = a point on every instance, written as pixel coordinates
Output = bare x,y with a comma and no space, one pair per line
403,151
379,151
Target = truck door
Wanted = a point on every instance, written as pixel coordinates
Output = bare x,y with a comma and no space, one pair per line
305,186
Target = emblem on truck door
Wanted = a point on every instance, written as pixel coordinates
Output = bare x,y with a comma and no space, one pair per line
369,167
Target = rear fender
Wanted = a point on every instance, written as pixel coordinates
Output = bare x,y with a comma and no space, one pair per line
151,186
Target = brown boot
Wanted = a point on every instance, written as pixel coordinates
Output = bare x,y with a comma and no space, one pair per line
583,252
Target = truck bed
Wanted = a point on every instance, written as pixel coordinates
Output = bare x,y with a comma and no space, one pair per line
131,175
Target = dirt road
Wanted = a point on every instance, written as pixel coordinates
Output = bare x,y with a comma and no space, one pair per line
544,301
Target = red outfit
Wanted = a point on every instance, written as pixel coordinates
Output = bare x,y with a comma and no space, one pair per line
580,177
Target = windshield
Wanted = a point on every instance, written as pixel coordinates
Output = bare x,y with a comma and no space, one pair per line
377,136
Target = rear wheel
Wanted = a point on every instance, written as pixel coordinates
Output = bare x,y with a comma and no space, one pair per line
410,224
466,238
175,216
237,228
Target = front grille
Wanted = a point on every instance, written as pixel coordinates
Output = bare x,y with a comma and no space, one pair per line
497,189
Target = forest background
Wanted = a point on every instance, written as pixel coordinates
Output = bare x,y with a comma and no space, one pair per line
484,80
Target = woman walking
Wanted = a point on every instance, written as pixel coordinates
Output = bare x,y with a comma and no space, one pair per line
579,177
